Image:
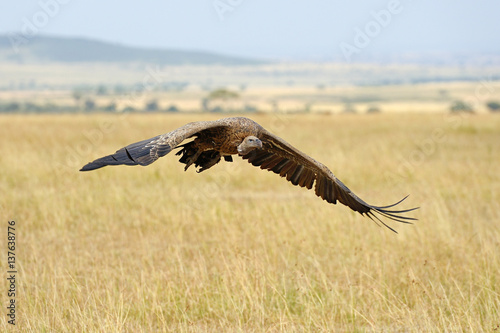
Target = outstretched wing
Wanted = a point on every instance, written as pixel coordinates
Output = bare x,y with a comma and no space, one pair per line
147,151
282,158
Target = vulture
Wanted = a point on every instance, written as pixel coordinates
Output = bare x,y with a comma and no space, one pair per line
223,138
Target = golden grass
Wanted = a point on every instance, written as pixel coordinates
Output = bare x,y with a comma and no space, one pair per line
132,249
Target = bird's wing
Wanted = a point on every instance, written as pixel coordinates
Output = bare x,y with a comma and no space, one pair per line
282,158
147,151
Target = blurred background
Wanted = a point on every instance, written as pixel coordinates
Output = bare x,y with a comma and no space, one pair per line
241,56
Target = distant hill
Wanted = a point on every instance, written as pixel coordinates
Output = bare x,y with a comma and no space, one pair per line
70,50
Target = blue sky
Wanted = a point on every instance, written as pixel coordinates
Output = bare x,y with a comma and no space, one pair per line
300,30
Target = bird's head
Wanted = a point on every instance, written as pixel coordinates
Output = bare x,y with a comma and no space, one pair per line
248,144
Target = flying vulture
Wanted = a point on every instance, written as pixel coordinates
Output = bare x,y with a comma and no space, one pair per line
241,136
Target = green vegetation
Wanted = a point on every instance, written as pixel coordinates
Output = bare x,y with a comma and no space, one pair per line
373,109
152,105
89,104
111,107
10,107
223,94
493,106
460,106
221,100
172,108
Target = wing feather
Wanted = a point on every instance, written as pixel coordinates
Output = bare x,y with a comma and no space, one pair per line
294,179
147,151
271,163
289,166
280,165
300,169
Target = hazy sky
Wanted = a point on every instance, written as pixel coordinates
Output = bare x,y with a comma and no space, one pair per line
299,30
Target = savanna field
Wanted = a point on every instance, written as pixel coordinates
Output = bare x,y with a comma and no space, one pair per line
235,248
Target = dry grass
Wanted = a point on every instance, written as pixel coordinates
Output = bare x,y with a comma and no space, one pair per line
131,249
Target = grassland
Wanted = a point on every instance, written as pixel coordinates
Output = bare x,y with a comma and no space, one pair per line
132,249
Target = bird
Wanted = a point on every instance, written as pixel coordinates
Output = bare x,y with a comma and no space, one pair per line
223,138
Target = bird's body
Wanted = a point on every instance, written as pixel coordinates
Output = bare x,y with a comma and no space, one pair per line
225,139
213,143
241,136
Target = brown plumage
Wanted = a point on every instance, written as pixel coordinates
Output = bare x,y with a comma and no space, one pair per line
238,135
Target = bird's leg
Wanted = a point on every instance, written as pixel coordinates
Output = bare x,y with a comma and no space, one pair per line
192,158
201,153
190,153
207,160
